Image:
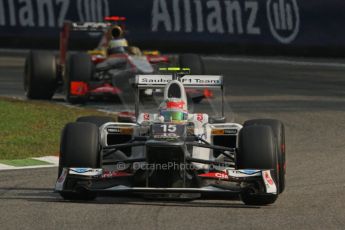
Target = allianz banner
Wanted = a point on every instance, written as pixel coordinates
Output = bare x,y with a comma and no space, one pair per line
290,23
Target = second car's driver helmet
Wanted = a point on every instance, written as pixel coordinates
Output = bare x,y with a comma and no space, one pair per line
117,46
173,110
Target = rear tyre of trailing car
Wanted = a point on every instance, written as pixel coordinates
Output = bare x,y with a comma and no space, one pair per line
79,72
40,75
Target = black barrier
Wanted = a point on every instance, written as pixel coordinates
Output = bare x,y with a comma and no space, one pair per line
266,26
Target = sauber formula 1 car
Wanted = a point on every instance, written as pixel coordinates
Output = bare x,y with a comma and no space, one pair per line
173,153
95,74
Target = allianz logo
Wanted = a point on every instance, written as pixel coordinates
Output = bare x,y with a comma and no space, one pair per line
228,17
50,13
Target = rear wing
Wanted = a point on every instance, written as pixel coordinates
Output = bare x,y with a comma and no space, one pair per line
88,26
69,26
188,81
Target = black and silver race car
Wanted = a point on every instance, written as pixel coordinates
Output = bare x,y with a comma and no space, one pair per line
172,154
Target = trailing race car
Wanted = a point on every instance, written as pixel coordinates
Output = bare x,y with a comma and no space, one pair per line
173,153
102,72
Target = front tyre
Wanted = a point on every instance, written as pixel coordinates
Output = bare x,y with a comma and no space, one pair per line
97,120
257,151
79,148
279,134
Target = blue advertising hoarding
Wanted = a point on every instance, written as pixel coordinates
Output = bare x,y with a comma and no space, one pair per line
276,23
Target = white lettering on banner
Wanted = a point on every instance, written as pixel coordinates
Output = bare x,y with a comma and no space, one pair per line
92,10
253,8
2,13
188,16
42,19
13,21
199,19
177,16
26,14
63,11
283,19
160,13
214,19
49,13
231,9
234,17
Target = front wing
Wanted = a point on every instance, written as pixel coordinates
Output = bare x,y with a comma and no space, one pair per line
98,180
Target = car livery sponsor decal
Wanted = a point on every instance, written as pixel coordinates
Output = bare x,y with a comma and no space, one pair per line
230,131
146,116
114,174
243,173
85,171
215,175
269,182
200,117
249,171
113,130
188,80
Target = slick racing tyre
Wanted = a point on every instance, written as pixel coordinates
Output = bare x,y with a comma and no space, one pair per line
192,61
257,150
79,69
279,133
40,75
97,120
79,148
196,65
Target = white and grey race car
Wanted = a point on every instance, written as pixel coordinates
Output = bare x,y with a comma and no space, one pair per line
152,156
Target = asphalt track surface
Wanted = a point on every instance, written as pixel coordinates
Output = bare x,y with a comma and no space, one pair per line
307,95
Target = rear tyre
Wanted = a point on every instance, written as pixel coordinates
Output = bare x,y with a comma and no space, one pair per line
97,120
196,65
279,133
79,148
257,151
79,69
40,75
192,61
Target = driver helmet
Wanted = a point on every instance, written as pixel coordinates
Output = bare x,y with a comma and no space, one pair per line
173,110
117,46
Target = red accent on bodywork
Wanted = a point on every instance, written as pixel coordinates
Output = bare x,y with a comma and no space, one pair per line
112,174
106,88
282,148
175,105
126,113
157,59
78,88
64,37
208,93
268,178
215,175
97,59
114,18
126,116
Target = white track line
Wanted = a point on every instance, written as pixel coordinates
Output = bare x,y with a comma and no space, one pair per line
275,61
53,160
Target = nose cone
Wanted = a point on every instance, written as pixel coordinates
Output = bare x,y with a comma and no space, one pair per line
175,89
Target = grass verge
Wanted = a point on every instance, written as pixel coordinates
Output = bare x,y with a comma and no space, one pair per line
33,128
